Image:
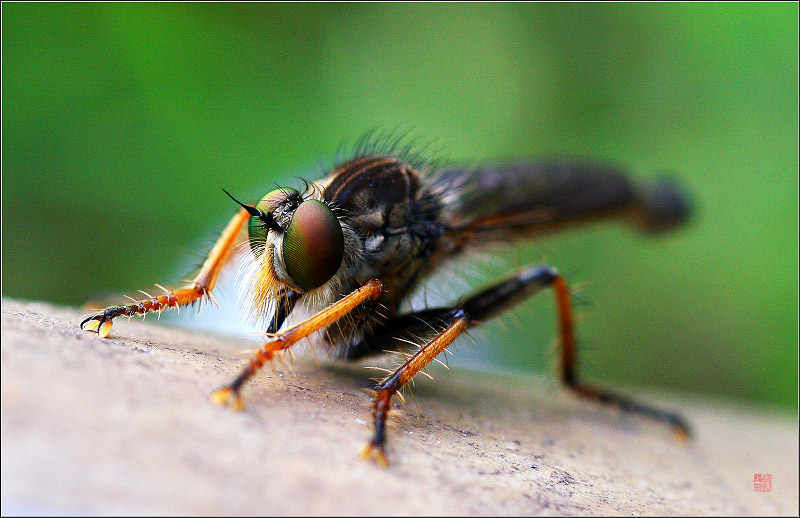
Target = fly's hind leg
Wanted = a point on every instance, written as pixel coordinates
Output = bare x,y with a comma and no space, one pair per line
479,308
494,300
198,288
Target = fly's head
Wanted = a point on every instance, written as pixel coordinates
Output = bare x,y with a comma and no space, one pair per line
304,237
297,243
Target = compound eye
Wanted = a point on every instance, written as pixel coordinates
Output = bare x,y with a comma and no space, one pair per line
267,204
313,246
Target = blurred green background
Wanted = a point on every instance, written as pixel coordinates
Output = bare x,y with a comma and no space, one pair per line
122,121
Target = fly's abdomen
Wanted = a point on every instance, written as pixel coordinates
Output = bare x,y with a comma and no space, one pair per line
534,197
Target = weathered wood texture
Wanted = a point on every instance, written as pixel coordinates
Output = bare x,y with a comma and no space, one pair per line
124,425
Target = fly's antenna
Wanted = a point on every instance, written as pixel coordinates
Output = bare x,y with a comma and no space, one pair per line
252,210
266,218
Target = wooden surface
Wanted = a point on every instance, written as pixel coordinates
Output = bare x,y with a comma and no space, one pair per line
124,426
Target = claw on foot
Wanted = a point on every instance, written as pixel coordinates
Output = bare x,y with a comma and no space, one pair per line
105,327
91,326
99,323
681,433
376,453
227,396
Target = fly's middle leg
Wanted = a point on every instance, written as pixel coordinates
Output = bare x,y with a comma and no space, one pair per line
458,322
476,309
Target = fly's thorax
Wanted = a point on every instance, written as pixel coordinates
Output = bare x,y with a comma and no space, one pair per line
375,190
386,201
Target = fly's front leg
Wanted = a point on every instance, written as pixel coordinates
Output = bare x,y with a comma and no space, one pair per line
199,287
230,394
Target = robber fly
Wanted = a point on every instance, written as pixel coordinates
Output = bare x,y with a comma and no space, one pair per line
348,250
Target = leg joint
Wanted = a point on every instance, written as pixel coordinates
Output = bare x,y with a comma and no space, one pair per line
544,275
461,314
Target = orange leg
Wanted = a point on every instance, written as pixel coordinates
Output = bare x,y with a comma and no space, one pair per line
199,287
393,383
569,368
371,291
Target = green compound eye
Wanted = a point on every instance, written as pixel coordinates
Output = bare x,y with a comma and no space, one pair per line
267,204
313,246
